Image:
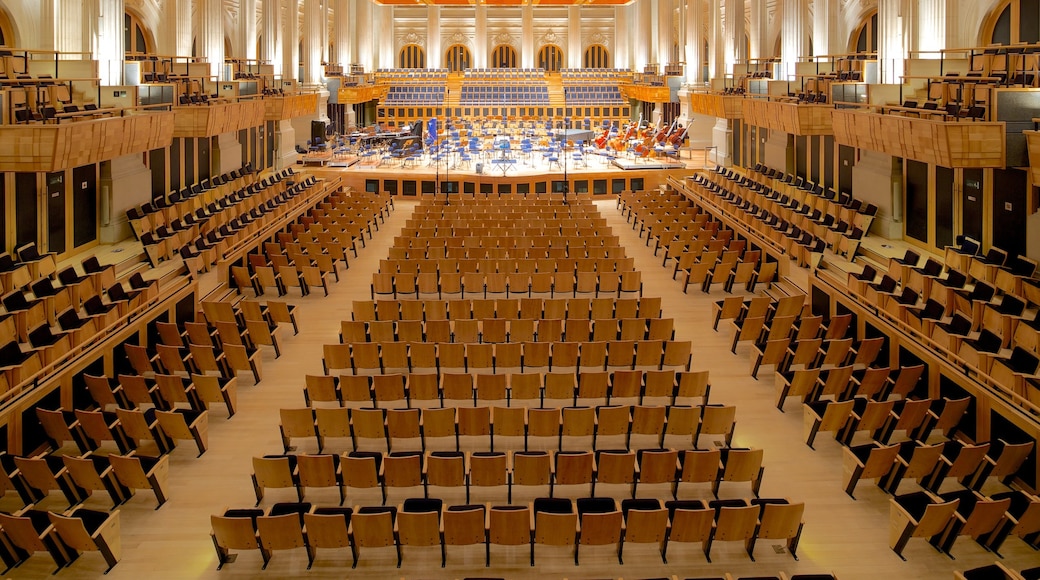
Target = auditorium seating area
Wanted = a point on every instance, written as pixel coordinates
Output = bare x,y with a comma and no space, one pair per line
417,95
504,94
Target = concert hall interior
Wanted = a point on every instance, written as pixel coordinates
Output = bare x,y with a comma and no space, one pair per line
641,289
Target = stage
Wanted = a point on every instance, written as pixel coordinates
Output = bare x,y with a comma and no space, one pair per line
513,170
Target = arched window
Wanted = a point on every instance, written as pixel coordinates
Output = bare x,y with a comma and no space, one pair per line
864,38
596,56
411,56
458,58
7,37
503,56
136,38
550,57
1011,22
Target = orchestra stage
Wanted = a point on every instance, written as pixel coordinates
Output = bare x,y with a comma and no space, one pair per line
504,172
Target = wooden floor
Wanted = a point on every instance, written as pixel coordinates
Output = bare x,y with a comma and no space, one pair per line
844,536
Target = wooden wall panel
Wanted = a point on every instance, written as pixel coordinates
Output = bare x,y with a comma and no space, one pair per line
723,106
290,106
218,118
1033,145
790,118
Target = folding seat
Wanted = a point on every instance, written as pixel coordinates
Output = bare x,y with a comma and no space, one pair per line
778,520
474,422
511,525
142,472
373,527
919,514
326,528
31,531
716,420
915,460
826,416
555,524
690,521
85,530
234,529
439,428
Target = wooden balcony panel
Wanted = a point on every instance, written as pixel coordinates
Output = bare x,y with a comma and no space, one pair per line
54,147
290,106
356,95
793,118
723,106
946,143
218,118
646,94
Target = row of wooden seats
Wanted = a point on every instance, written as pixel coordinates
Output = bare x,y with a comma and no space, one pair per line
942,518
507,308
599,284
433,224
915,418
507,202
495,330
476,472
382,357
416,390
803,246
607,261
302,271
707,268
61,534
540,247
556,522
843,206
148,217
226,230
544,426
127,429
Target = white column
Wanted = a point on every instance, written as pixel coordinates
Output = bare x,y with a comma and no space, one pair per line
108,50
931,26
622,38
363,35
716,60
794,41
694,41
272,21
433,36
734,34
291,41
574,55
247,29
312,25
645,52
49,11
665,32
73,26
480,36
209,40
384,21
758,30
890,40
527,36
343,23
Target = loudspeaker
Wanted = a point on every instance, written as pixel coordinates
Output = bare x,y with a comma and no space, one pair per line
480,168
317,131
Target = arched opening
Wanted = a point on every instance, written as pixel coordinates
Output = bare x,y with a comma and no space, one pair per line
1012,22
411,56
865,38
596,56
550,58
137,39
503,56
458,58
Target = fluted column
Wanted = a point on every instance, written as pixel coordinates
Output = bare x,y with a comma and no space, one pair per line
527,36
758,30
343,21
272,29
573,37
890,40
694,41
794,40
209,40
716,60
312,24
247,29
383,16
734,34
291,41
108,50
622,38
74,25
665,31
931,26
825,28
363,35
480,36
645,50
433,36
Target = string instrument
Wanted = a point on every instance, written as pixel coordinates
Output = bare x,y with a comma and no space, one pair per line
676,139
601,141
663,135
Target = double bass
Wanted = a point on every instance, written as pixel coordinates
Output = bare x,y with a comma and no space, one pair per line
677,139
663,135
601,141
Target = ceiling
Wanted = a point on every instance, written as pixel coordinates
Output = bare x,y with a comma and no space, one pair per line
504,2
